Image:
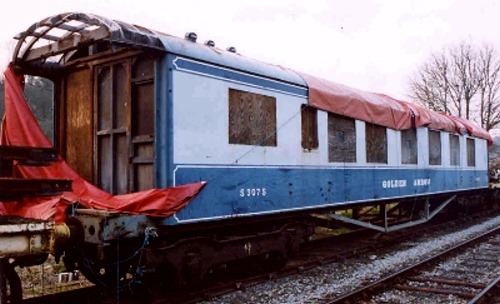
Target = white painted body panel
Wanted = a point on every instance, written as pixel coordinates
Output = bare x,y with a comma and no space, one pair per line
200,131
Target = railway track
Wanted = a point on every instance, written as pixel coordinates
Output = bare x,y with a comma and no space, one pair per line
321,252
414,278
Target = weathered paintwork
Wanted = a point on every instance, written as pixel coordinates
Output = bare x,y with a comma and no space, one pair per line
20,237
190,109
101,227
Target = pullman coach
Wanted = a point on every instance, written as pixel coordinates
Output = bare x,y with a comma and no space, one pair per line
136,109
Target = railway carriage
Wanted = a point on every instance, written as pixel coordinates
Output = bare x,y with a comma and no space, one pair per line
137,109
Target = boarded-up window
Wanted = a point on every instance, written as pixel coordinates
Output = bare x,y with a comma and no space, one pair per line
434,147
409,149
252,119
341,139
77,122
471,152
376,144
309,120
454,150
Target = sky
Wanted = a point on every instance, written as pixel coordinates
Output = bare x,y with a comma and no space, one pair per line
373,45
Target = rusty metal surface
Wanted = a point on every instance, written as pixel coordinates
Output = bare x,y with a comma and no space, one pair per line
466,295
15,188
21,236
448,282
101,226
24,236
382,283
28,156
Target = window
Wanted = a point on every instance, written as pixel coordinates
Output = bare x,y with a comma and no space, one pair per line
252,119
309,120
454,150
341,139
409,151
471,152
376,143
434,147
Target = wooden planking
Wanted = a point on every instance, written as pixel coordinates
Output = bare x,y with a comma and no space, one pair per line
252,119
143,166
66,44
376,143
434,147
142,129
409,151
143,179
78,122
309,123
471,152
104,163
120,96
143,109
341,139
454,150
112,133
104,98
121,164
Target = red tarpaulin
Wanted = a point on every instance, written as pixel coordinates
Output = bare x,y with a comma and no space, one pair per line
371,107
383,110
20,128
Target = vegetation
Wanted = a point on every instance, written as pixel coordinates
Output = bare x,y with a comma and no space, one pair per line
462,80
38,92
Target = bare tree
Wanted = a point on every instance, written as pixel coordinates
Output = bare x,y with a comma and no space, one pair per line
489,88
430,86
462,80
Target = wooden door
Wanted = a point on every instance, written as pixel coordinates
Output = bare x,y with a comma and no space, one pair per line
124,125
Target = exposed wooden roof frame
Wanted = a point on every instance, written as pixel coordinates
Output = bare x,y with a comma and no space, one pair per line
90,29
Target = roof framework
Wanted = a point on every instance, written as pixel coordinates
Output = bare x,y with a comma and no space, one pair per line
56,38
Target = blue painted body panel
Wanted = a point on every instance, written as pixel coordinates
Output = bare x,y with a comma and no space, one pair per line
240,191
210,70
163,152
233,191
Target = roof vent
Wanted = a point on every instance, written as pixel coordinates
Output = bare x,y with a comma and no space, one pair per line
210,43
191,36
231,49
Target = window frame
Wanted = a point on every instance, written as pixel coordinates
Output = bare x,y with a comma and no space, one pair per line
309,127
432,144
341,151
470,146
409,152
454,146
372,140
259,117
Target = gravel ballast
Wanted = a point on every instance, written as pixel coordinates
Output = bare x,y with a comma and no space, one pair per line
337,278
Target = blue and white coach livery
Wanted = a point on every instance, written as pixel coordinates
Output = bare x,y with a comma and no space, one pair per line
248,178
137,109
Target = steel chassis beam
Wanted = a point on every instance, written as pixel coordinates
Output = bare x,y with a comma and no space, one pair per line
386,228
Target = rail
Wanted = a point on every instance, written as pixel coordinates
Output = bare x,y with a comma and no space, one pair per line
379,285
